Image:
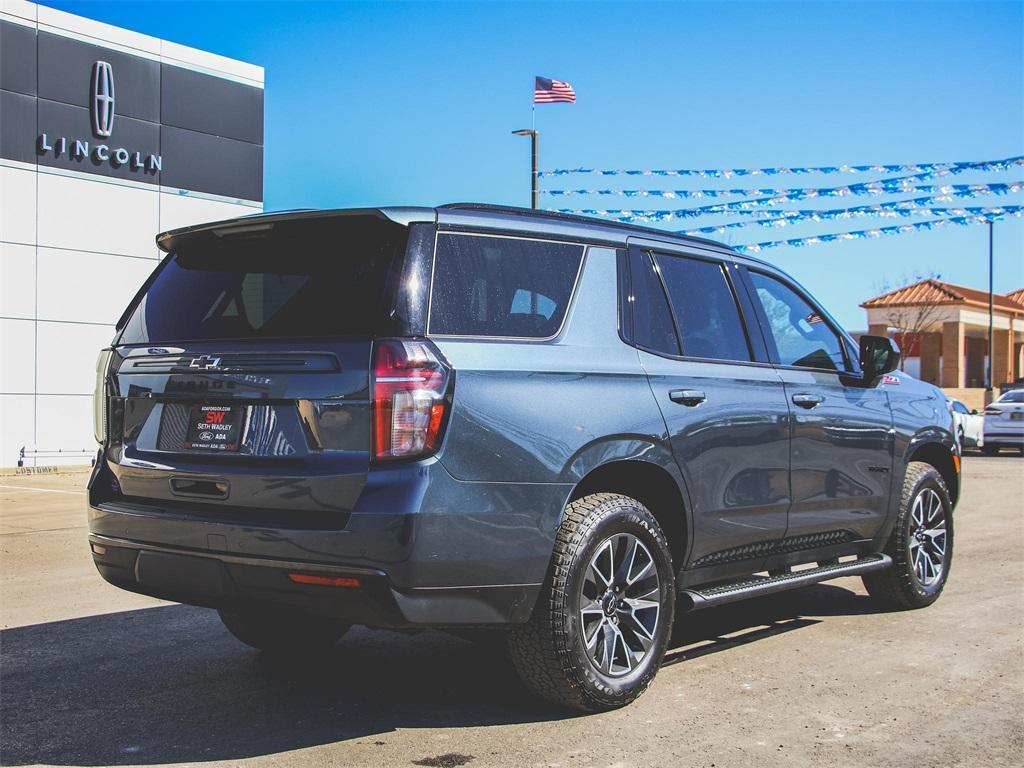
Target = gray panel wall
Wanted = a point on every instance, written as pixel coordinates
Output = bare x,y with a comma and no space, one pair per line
208,131
17,119
206,163
17,59
196,101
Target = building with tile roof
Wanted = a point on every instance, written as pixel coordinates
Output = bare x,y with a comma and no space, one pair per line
945,327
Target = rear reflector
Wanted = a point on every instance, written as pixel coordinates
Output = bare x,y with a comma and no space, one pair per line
324,581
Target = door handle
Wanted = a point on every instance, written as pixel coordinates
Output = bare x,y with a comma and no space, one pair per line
807,400
690,397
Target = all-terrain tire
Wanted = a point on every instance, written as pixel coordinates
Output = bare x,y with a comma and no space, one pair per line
901,586
280,630
549,652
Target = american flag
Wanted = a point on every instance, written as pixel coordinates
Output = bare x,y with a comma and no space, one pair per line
547,91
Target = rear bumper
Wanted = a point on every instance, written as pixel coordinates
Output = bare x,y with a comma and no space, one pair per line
218,580
1004,438
429,550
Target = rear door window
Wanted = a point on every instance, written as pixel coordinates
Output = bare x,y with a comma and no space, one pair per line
501,286
706,313
653,328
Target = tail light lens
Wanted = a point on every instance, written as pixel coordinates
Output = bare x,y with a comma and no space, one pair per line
990,411
99,397
410,399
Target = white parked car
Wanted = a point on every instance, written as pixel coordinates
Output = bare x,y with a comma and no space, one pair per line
969,424
1004,423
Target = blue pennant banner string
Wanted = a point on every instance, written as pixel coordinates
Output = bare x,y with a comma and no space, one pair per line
935,192
789,218
870,234
879,187
728,173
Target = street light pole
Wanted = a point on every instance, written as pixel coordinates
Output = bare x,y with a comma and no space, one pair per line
991,351
532,133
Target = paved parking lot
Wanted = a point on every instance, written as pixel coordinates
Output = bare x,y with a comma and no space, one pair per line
91,675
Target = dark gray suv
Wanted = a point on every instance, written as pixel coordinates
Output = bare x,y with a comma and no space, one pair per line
478,418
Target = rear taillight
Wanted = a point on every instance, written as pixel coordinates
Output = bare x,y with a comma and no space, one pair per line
410,399
99,397
990,411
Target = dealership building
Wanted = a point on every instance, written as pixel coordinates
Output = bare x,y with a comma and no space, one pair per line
107,137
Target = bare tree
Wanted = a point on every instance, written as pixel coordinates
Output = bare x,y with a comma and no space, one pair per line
911,321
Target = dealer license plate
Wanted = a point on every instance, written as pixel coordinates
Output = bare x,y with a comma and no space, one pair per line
214,427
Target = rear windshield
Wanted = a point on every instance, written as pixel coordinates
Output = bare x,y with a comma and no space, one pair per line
333,277
501,286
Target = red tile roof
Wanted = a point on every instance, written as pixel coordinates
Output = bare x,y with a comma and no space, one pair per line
932,291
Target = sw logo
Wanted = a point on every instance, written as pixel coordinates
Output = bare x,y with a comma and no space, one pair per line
215,417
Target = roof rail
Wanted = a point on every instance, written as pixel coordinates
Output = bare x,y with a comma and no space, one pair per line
576,218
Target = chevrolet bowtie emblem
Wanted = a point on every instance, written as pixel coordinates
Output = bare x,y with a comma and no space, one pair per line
204,362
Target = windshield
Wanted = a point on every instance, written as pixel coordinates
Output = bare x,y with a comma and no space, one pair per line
1013,396
310,278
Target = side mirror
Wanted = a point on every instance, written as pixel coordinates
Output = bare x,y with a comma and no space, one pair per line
974,411
878,355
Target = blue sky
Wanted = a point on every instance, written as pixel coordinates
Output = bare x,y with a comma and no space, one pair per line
413,103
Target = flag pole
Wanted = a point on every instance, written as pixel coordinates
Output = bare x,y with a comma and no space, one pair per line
533,142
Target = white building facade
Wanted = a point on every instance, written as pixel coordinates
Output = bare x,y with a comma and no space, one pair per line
107,137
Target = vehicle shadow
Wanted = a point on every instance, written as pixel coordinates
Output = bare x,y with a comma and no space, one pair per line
168,684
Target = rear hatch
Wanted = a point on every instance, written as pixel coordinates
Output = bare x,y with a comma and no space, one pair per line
240,381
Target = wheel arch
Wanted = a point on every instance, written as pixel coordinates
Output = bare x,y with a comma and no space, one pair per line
944,458
652,485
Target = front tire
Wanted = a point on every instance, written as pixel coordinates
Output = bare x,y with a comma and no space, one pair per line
280,630
602,623
921,544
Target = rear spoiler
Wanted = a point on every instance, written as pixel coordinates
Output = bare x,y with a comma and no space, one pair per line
168,241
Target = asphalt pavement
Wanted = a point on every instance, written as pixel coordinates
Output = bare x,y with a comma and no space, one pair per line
91,675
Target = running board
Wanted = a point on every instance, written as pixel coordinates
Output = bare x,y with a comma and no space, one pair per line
705,597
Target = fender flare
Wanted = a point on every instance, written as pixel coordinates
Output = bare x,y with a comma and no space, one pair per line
626,448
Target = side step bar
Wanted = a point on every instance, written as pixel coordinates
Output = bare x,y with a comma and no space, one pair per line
705,597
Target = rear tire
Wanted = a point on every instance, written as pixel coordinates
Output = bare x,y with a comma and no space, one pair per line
280,630
602,623
921,544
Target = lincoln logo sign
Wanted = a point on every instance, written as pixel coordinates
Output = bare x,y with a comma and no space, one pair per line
102,99
101,109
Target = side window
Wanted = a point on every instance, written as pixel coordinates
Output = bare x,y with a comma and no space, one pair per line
802,337
501,286
706,313
652,320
